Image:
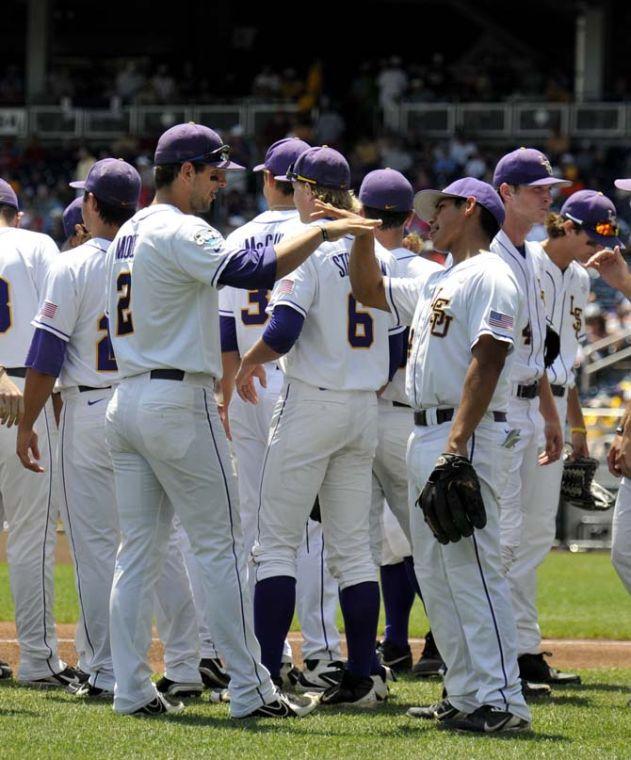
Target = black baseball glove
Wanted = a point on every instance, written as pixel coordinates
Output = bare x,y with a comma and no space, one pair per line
451,500
579,488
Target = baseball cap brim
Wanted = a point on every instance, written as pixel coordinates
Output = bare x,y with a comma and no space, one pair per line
227,166
549,181
623,184
259,168
282,178
425,202
78,184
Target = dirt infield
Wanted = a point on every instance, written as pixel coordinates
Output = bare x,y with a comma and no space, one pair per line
567,654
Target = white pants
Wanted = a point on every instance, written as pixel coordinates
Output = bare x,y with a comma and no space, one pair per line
621,537
170,454
395,546
464,589
30,513
389,477
537,537
321,443
524,417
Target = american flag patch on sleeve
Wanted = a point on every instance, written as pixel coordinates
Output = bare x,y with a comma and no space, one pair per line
503,321
49,309
285,287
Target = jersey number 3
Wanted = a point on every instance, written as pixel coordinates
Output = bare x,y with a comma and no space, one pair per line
124,324
360,327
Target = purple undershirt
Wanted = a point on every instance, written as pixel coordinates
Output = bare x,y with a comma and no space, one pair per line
46,353
251,269
228,332
397,345
283,329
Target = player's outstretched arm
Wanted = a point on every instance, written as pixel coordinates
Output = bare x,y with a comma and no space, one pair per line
230,366
251,367
578,431
552,425
37,388
612,267
11,401
487,361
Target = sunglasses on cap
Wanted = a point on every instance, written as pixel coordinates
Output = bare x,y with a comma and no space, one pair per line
220,154
293,177
606,229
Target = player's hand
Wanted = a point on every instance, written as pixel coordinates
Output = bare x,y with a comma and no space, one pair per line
611,266
27,444
346,222
554,442
244,381
225,420
580,448
612,456
11,401
619,457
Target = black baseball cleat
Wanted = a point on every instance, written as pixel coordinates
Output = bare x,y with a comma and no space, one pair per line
487,720
87,691
535,691
395,657
381,682
62,680
5,670
439,711
351,691
213,673
179,689
289,675
430,663
284,706
160,705
319,675
534,668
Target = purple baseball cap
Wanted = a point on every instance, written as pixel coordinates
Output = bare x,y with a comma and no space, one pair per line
425,201
7,195
526,166
73,214
386,190
193,142
114,181
320,166
281,155
596,214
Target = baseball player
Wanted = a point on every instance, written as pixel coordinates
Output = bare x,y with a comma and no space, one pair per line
74,227
524,179
334,354
243,317
25,258
387,195
463,325
71,343
586,223
168,447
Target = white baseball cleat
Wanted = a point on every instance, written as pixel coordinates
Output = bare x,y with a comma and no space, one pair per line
319,675
284,706
160,705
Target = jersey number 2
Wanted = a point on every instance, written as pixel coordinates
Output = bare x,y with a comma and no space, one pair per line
105,359
360,327
5,305
124,324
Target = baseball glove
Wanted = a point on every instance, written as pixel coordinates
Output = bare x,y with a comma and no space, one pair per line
578,487
451,500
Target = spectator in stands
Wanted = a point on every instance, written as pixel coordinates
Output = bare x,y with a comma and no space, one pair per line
329,126
266,84
392,82
164,85
84,163
129,81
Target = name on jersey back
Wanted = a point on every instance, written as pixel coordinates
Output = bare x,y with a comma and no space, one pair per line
125,247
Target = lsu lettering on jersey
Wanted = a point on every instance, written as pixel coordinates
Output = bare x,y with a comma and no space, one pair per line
73,309
530,335
249,307
343,346
448,312
161,297
25,258
408,264
566,294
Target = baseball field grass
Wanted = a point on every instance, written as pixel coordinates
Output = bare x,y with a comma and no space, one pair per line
580,597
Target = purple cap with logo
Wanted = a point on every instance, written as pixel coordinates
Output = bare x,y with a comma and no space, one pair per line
193,142
73,214
526,166
321,166
386,190
281,155
7,195
425,201
114,181
595,214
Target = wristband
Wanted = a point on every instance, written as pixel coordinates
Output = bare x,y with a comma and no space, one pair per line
578,430
620,430
325,234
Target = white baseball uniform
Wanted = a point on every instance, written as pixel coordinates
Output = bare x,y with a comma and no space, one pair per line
29,506
316,592
524,417
465,592
395,424
621,534
72,309
324,429
168,447
566,294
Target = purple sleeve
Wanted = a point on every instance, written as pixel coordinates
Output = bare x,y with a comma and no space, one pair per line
250,269
283,329
397,344
46,353
228,330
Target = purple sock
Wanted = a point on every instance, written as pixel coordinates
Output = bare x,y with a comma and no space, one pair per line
360,608
398,597
409,566
274,603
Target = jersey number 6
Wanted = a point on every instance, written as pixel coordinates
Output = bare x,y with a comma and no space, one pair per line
124,324
360,328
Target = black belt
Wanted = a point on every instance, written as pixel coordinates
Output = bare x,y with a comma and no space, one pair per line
15,371
84,388
398,403
444,415
528,391
558,390
167,374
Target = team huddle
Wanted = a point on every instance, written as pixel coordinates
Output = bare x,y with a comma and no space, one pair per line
234,430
